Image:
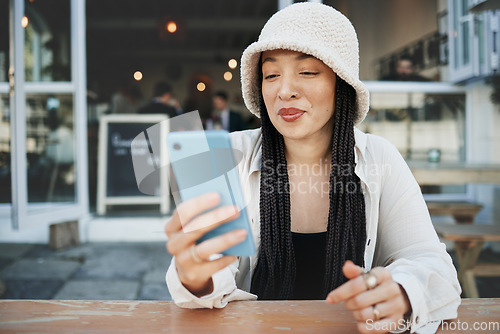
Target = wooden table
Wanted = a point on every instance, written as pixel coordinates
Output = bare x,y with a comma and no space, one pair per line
441,173
469,241
462,212
56,316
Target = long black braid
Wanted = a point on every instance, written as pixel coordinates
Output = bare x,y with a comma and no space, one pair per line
274,275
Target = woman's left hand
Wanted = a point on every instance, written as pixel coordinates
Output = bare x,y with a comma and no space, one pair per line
378,303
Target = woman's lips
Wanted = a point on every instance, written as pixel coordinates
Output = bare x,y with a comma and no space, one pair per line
290,114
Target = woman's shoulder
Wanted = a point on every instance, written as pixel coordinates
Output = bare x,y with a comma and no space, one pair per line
246,140
374,147
247,144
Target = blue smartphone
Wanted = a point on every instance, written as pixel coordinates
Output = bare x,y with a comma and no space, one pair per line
203,162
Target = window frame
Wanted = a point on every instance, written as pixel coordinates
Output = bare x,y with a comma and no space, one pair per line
19,212
433,87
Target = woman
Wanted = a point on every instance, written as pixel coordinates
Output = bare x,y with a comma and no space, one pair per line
326,202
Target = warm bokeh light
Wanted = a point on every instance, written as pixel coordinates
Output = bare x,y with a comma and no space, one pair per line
201,86
171,27
138,75
228,76
24,22
232,63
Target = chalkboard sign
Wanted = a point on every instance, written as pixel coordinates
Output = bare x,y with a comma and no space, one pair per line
120,178
117,183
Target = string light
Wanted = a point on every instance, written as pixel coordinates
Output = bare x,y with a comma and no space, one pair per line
228,76
171,27
232,63
24,21
201,86
138,75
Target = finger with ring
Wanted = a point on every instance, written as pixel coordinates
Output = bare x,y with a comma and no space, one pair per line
376,313
194,254
371,280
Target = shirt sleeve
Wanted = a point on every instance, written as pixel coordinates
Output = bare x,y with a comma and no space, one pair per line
225,289
409,247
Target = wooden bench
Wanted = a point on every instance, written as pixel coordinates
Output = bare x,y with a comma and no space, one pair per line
462,212
469,240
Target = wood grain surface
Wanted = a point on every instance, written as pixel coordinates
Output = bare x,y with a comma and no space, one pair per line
56,316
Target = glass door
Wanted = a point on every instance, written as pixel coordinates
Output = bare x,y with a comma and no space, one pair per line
5,174
43,160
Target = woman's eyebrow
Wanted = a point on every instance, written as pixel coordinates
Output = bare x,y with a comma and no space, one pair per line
298,57
303,56
269,59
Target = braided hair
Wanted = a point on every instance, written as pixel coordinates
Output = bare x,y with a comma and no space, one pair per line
274,274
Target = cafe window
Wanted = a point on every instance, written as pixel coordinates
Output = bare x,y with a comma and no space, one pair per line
426,123
50,148
473,41
5,175
462,35
47,54
4,40
43,162
5,182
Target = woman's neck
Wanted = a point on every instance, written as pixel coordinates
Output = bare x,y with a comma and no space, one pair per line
308,151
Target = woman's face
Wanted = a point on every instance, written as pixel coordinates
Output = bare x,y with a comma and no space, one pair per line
299,93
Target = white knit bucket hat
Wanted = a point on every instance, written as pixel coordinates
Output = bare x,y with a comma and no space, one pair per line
314,29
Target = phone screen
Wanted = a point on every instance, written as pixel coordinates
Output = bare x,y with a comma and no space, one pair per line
203,162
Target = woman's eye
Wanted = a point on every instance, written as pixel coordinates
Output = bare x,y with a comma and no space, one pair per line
270,76
308,73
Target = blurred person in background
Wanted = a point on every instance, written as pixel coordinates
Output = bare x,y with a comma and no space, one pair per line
128,99
161,102
405,71
222,117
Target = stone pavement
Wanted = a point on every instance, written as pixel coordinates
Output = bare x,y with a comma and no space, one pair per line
111,271
106,271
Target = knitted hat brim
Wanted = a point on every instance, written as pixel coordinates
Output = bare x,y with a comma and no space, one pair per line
250,73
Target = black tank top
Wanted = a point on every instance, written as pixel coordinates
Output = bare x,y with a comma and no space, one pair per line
310,257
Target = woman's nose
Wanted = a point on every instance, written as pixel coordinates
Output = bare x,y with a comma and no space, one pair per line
288,89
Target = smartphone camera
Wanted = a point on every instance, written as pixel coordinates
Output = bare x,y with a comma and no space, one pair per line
177,146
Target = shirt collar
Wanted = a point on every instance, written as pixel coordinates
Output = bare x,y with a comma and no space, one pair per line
255,165
359,146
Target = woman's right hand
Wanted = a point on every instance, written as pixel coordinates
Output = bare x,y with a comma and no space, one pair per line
186,226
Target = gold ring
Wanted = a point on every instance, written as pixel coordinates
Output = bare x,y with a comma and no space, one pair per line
371,280
376,313
194,254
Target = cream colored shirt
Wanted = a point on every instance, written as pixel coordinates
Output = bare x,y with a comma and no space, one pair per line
400,235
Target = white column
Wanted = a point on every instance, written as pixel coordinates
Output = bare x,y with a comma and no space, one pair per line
17,115
79,72
284,3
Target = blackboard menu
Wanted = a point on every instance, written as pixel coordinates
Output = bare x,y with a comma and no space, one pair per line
117,179
120,175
